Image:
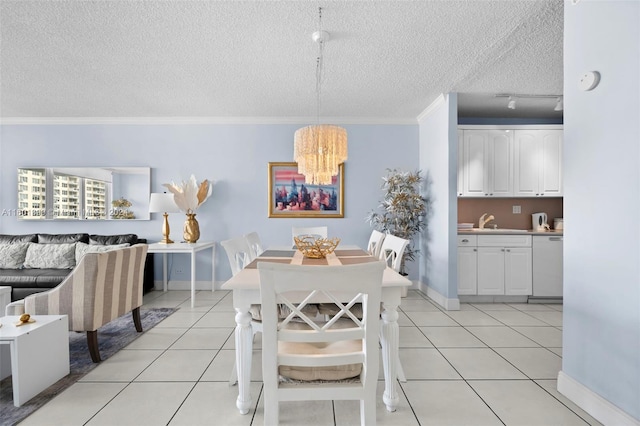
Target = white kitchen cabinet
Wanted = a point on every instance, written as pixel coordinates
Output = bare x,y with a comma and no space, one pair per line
537,168
504,265
490,270
547,266
467,265
487,163
460,162
518,276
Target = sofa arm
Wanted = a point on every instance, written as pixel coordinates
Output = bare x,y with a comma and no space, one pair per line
14,308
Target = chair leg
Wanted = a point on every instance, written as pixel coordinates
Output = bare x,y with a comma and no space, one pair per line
92,342
136,319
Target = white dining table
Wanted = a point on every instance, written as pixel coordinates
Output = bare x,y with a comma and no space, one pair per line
245,286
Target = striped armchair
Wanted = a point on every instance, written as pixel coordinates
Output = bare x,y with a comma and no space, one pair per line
101,288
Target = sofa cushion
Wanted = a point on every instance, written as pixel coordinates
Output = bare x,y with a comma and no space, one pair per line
53,256
82,249
62,238
33,278
130,239
10,239
12,255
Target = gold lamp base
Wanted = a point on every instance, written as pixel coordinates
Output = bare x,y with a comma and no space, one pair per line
165,230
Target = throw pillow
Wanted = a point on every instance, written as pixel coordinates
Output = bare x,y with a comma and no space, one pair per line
51,256
82,249
12,255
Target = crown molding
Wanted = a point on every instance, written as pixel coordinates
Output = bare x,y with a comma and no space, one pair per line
201,120
435,104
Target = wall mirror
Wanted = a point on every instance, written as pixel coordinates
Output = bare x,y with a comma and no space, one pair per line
84,193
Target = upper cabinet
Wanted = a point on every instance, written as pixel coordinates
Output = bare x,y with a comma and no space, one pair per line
509,162
538,163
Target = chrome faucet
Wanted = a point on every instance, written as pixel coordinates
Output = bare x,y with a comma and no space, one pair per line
482,221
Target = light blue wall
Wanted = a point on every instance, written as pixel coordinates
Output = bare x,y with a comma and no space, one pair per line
438,159
601,328
235,157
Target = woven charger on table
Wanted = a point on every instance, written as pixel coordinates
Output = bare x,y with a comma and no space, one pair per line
316,248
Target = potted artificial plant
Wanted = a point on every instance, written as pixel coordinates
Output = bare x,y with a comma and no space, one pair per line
402,209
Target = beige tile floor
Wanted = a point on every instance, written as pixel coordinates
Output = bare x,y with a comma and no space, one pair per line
487,364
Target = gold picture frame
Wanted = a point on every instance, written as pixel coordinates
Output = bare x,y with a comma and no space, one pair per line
290,197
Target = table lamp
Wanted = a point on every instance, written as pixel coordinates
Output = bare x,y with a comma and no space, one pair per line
163,203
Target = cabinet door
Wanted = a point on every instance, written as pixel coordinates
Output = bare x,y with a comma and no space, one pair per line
500,163
460,163
475,163
467,270
550,179
518,272
490,270
526,167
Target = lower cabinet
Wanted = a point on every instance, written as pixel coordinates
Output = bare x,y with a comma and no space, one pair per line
467,270
495,265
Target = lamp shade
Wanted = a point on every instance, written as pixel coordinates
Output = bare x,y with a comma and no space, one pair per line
162,203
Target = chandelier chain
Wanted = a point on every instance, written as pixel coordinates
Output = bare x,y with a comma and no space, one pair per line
319,66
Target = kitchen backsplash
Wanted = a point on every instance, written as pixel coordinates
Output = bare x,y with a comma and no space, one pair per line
470,210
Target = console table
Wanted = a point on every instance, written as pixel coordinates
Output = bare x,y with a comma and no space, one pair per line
188,248
22,349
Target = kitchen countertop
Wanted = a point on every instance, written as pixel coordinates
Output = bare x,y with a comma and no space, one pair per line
491,231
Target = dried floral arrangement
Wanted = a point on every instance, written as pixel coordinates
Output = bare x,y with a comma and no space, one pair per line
189,195
121,209
403,209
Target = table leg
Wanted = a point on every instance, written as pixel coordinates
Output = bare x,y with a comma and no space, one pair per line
389,340
244,352
164,272
193,279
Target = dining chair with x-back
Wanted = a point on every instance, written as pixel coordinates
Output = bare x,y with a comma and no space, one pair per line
305,359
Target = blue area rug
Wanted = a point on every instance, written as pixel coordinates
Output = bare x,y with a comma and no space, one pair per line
111,338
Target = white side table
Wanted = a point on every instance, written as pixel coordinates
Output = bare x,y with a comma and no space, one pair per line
22,350
5,298
192,249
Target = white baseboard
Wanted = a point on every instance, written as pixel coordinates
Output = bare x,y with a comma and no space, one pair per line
597,407
446,303
185,285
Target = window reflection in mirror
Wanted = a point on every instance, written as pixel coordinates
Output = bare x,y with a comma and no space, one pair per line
83,193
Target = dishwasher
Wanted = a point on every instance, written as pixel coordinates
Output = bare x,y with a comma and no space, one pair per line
547,266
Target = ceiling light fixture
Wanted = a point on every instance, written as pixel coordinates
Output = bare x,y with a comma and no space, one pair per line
559,104
511,104
319,149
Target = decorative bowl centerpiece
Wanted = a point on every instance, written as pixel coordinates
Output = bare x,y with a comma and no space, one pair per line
316,248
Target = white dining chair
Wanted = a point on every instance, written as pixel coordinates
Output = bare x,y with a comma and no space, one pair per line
238,252
375,243
392,250
321,231
239,255
255,245
334,360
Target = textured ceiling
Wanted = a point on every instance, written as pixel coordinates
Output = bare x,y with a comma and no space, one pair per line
386,60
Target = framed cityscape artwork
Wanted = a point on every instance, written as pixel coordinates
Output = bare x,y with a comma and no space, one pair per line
291,197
